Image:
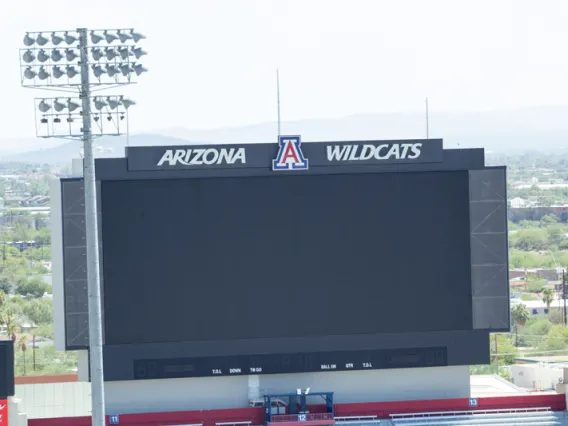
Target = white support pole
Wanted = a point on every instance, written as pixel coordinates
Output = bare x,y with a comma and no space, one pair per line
92,235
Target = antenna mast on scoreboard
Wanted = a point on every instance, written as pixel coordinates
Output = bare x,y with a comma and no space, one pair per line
278,99
427,121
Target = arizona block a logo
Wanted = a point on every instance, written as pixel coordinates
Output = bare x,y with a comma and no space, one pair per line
290,156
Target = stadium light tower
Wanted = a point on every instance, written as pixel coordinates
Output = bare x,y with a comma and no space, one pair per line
77,63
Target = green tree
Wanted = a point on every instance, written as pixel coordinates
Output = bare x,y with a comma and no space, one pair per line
528,259
6,286
535,283
43,237
44,330
22,232
547,298
23,345
556,339
549,219
530,239
555,233
502,350
40,311
33,287
12,330
556,316
520,314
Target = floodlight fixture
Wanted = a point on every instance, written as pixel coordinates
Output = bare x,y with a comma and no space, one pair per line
72,106
98,70
126,103
125,69
57,72
137,36
58,106
111,70
28,41
95,38
42,56
99,103
113,103
109,37
29,73
124,37
70,55
139,69
110,53
138,52
69,38
44,106
124,53
41,40
71,71
117,58
28,57
97,54
55,39
43,74
56,55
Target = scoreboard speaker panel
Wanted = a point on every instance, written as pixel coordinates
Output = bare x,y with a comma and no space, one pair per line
7,387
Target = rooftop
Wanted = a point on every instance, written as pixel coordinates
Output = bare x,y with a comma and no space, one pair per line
487,385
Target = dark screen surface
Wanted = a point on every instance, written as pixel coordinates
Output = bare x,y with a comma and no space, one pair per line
285,256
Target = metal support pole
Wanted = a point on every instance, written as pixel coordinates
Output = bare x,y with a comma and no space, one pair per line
278,101
427,121
92,235
564,294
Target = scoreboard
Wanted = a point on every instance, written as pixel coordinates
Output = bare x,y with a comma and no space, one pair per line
272,258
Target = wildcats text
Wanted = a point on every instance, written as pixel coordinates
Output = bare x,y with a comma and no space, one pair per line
399,151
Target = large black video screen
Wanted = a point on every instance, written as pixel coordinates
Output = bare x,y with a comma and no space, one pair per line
285,256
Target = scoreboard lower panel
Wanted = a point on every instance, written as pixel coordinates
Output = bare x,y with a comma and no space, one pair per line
170,368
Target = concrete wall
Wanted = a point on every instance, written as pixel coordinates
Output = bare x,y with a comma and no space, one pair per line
16,416
146,396
232,392
536,376
44,400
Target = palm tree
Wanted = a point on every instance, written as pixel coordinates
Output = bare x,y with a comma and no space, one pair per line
520,314
547,298
11,332
23,345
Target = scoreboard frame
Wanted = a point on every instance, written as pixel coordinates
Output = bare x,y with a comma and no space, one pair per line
490,291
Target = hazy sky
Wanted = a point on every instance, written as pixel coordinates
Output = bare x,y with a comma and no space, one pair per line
212,62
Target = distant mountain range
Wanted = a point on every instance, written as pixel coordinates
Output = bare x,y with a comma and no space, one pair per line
541,128
105,147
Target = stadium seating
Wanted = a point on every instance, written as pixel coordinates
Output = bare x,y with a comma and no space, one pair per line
357,421
521,417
